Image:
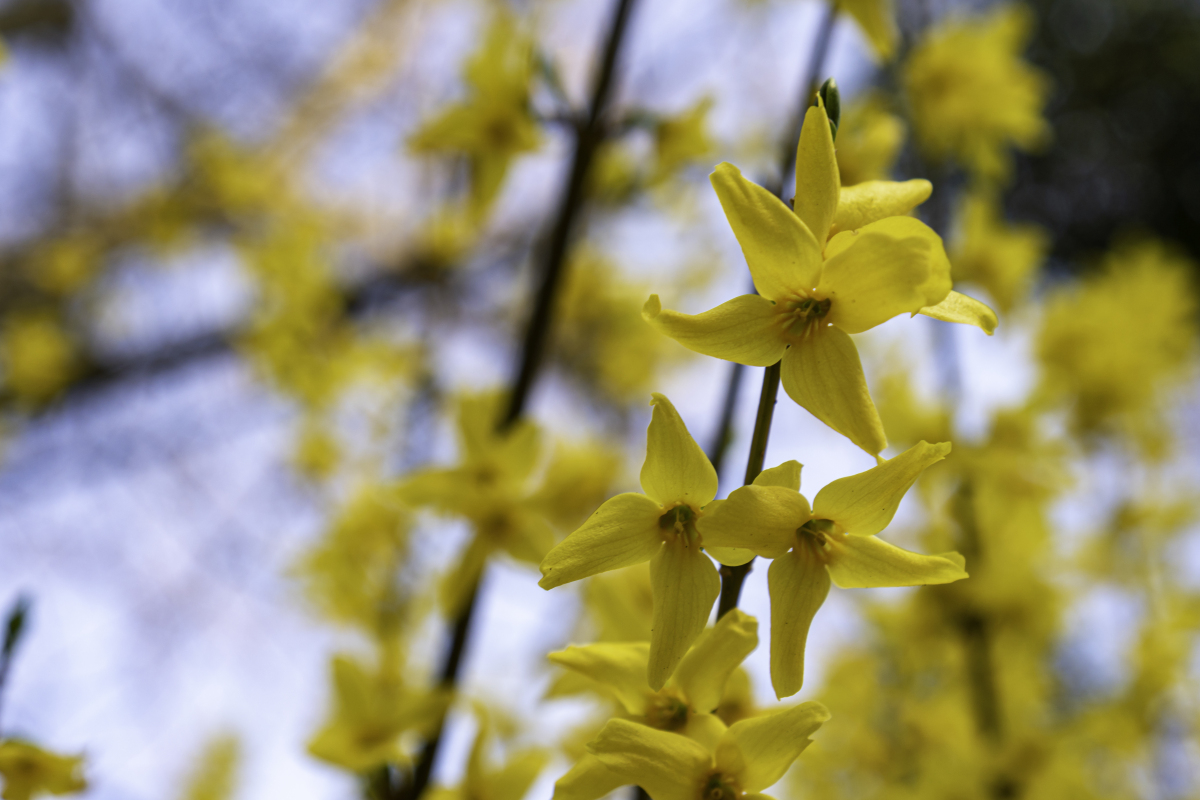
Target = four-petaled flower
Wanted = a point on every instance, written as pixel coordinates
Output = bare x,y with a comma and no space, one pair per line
834,541
842,262
660,527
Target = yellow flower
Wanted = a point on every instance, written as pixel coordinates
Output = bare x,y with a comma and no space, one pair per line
833,541
972,96
750,756
371,711
29,771
683,706
660,527
868,140
877,18
812,294
494,124
482,782
39,357
681,140
1001,257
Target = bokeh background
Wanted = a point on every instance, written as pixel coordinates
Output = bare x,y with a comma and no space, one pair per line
238,283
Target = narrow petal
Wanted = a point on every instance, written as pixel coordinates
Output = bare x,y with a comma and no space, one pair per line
783,254
763,519
786,475
859,562
676,469
871,201
818,181
685,586
895,266
623,532
966,310
744,329
798,586
619,667
865,503
759,750
668,766
824,375
717,653
589,779
731,556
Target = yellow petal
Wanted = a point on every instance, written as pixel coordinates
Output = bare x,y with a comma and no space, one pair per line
744,329
859,562
707,729
676,469
877,18
759,750
798,586
783,254
623,532
731,556
668,766
966,310
513,781
818,181
871,201
762,519
865,503
823,374
589,779
619,667
717,653
786,475
685,586
891,267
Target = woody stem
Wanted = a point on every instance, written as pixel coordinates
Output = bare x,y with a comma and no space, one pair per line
732,578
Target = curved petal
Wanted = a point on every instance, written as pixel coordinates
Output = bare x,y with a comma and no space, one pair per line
513,781
620,667
871,201
965,310
623,532
744,329
668,766
786,475
862,562
676,469
865,503
589,779
717,653
895,266
759,750
798,584
685,586
783,254
763,519
731,556
824,375
818,180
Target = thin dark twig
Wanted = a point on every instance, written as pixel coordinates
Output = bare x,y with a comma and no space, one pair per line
732,578
554,261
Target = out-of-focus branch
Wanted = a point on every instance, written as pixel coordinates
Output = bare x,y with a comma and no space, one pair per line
553,263
37,16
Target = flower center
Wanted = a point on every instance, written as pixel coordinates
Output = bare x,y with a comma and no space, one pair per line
803,313
720,787
679,521
666,712
815,534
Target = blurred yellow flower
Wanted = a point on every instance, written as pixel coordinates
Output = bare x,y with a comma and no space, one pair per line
494,124
215,777
660,527
813,293
999,256
681,140
869,139
39,358
877,18
972,95
833,541
483,782
30,771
